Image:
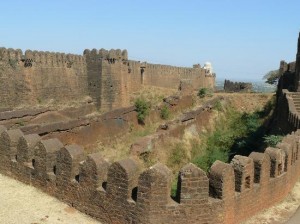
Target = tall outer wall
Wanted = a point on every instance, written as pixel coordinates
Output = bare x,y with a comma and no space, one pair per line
112,77
107,76
38,77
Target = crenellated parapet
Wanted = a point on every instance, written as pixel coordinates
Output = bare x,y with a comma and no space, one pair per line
52,59
123,192
10,54
40,58
109,55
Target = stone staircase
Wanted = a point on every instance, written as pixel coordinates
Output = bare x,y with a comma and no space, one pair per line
296,100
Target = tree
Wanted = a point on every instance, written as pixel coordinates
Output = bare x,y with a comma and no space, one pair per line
272,77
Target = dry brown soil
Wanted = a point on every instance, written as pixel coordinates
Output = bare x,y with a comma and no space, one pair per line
23,204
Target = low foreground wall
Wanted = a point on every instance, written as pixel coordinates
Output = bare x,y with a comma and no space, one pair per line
124,193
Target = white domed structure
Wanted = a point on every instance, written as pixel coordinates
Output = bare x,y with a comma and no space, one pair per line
208,67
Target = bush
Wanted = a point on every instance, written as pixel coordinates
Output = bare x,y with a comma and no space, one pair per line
218,106
178,155
210,156
142,109
202,92
272,140
165,112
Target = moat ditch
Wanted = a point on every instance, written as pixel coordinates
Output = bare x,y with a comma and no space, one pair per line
231,127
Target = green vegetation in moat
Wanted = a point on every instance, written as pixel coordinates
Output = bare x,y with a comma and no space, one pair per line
272,140
235,133
142,109
165,112
203,92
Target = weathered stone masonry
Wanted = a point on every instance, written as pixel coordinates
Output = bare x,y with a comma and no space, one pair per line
107,76
122,193
237,86
40,76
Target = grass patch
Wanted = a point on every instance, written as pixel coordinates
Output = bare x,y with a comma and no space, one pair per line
272,140
178,156
218,105
165,112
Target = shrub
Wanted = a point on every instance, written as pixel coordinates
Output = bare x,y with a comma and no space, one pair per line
218,106
178,155
142,109
206,160
202,92
272,140
165,112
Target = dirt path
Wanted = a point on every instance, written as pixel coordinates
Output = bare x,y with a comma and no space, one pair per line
20,203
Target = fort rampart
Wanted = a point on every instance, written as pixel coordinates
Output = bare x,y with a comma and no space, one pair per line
37,77
124,193
106,76
287,116
237,86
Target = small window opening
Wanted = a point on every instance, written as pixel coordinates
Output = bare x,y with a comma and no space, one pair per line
104,185
134,193
77,178
279,169
33,163
54,170
247,182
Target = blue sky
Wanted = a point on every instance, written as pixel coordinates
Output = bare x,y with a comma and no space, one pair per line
242,39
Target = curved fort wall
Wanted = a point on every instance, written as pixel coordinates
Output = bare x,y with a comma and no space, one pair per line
107,76
124,193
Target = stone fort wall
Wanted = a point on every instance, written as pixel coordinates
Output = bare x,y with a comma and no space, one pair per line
106,76
124,193
37,76
119,77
